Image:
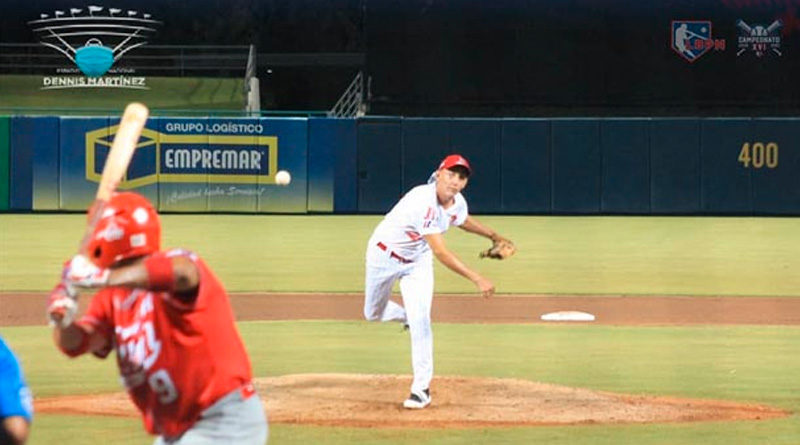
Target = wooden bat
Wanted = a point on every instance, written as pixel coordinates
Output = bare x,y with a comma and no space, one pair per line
125,141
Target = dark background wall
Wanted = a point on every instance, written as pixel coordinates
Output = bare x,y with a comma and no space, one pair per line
273,25
490,58
578,57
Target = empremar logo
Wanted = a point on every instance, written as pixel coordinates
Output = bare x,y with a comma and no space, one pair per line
94,39
189,153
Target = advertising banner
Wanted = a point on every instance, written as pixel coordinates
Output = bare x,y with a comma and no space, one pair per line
192,164
4,158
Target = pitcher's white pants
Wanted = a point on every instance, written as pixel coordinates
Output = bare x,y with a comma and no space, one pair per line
416,287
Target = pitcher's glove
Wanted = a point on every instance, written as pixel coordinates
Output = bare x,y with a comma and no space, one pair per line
501,249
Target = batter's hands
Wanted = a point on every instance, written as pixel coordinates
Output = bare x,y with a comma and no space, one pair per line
83,273
62,305
485,286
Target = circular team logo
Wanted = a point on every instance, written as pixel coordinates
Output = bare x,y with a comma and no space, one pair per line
94,38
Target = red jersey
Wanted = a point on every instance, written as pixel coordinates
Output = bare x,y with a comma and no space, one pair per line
175,358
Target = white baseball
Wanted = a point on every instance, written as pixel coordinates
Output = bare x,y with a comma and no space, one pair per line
283,177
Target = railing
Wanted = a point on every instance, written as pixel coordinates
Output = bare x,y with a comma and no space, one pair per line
169,60
252,90
351,103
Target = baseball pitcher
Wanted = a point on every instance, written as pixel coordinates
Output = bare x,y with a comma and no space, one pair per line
168,318
402,248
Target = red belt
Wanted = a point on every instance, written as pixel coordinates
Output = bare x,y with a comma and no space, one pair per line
393,255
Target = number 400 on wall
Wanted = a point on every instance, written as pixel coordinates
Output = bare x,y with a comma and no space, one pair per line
759,154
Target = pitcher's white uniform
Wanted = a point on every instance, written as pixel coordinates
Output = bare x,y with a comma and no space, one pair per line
398,251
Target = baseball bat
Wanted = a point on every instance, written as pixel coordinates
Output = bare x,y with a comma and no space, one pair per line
691,34
745,27
125,141
774,25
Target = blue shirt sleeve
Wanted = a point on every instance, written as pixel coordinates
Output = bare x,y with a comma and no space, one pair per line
15,396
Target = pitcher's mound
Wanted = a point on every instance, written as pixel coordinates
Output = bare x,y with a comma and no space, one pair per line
376,401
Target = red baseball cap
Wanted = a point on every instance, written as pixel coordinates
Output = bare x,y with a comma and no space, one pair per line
455,160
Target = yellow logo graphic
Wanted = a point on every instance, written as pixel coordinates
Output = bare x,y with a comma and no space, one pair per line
186,158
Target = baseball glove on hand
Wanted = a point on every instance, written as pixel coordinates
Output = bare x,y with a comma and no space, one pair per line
500,250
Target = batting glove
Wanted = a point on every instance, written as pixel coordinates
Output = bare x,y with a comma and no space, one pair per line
83,273
62,305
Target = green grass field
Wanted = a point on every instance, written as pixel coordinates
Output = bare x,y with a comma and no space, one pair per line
596,255
21,94
734,363
557,255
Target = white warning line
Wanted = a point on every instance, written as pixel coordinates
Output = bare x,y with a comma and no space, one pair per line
568,316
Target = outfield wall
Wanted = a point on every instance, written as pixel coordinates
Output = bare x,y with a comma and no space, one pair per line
539,166
5,157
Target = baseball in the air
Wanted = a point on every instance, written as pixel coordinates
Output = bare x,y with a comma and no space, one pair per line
283,177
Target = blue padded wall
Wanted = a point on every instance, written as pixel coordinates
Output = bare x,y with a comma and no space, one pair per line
532,166
24,136
379,164
34,167
425,142
675,166
625,147
479,141
331,165
777,190
576,166
525,160
725,184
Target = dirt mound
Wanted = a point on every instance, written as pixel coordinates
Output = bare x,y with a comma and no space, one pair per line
375,401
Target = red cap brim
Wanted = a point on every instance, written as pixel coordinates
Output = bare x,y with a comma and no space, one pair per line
455,160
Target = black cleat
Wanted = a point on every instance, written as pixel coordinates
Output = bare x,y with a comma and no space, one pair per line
418,400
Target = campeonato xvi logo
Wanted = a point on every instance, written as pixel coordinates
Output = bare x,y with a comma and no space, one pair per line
208,157
94,38
759,38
